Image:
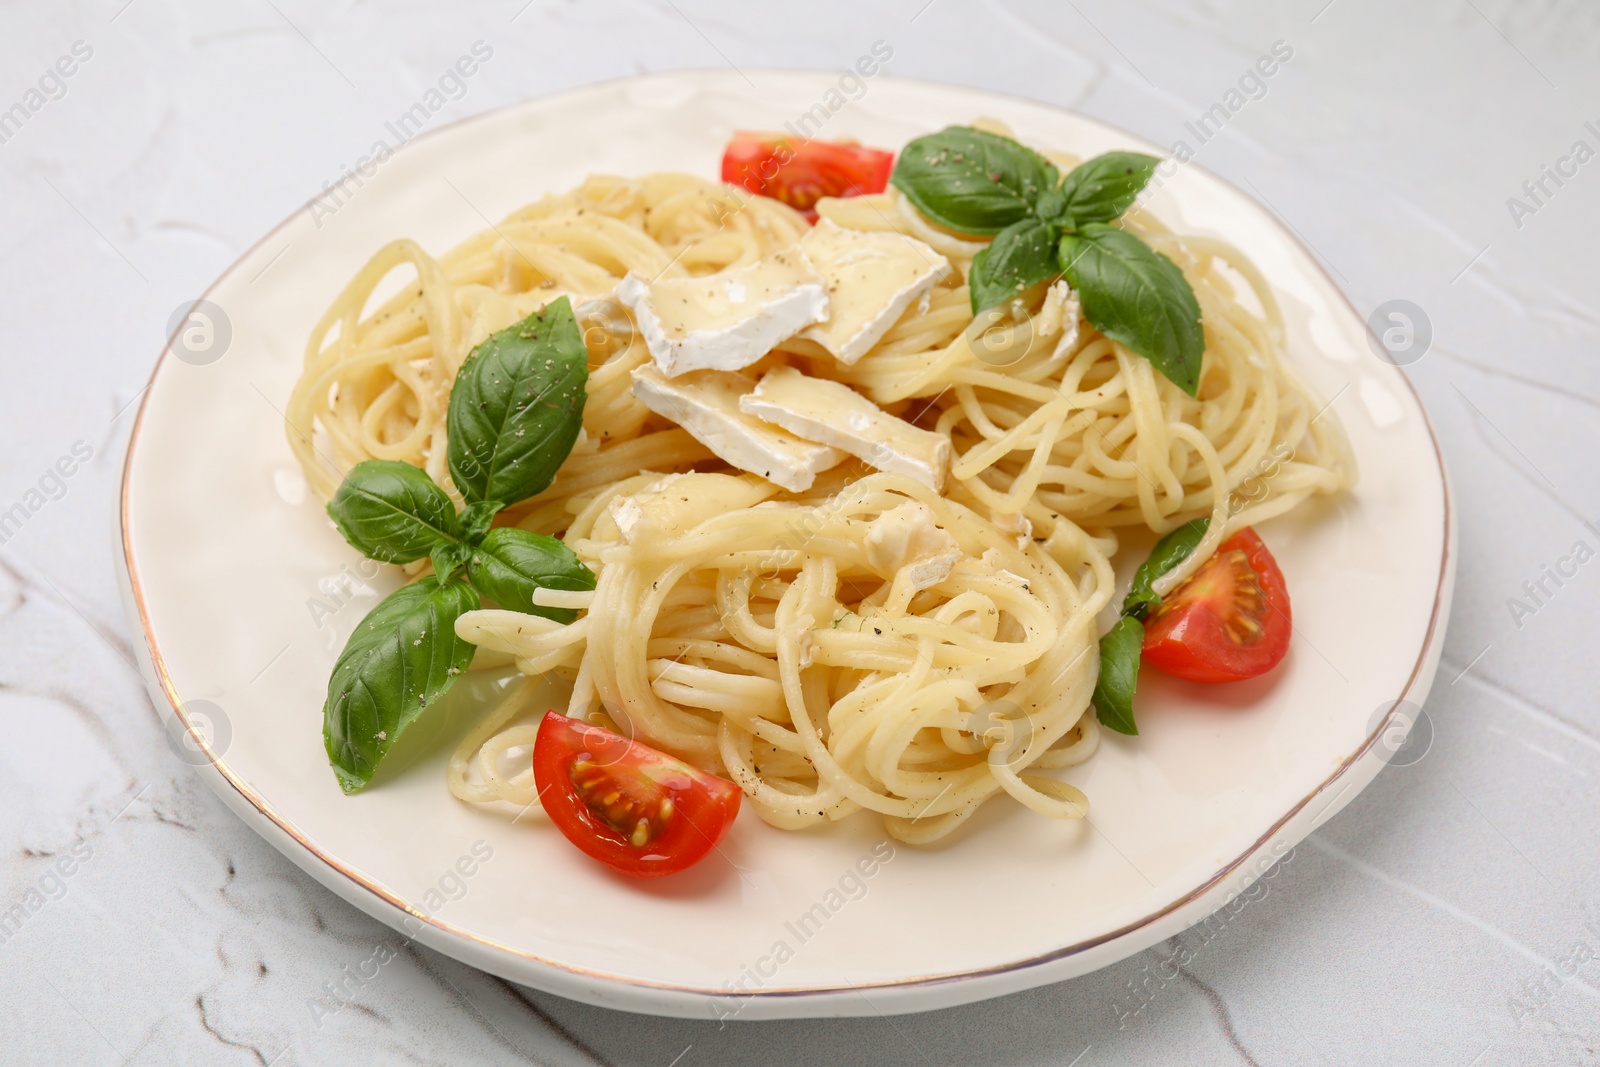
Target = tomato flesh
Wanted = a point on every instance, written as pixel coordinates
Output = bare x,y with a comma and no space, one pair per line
637,810
1230,620
800,172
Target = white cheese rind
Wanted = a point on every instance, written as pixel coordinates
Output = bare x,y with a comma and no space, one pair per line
706,404
728,320
907,539
1016,525
871,279
831,413
625,512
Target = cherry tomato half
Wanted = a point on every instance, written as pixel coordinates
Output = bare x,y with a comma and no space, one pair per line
640,811
801,172
1228,622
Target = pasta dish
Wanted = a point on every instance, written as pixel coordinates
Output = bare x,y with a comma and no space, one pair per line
809,481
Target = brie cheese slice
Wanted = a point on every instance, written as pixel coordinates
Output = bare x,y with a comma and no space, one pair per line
1016,525
831,413
706,404
907,537
871,278
727,320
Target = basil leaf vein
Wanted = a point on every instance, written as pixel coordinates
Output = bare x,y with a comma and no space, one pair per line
517,406
1119,675
511,563
1137,297
1170,551
1021,255
402,657
392,512
972,181
1102,188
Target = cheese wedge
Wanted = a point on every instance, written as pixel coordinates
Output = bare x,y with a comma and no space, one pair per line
831,413
706,404
727,320
871,279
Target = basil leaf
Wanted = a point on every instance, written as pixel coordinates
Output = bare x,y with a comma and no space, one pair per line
392,512
447,559
1137,297
1119,675
1170,551
1021,255
1102,188
476,518
1051,207
972,181
402,658
511,563
517,406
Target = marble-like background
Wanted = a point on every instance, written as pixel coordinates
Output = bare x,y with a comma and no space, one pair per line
1427,924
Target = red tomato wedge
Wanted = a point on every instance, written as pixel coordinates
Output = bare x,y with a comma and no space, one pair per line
801,172
1230,621
637,810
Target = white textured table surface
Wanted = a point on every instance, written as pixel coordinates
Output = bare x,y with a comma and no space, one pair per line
1448,916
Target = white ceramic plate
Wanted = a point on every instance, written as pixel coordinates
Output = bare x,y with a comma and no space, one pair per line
227,561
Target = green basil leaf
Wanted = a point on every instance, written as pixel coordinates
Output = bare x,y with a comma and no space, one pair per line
402,658
476,519
1137,297
517,406
392,512
1102,188
1170,551
1021,255
511,563
447,559
972,181
1119,675
1051,207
